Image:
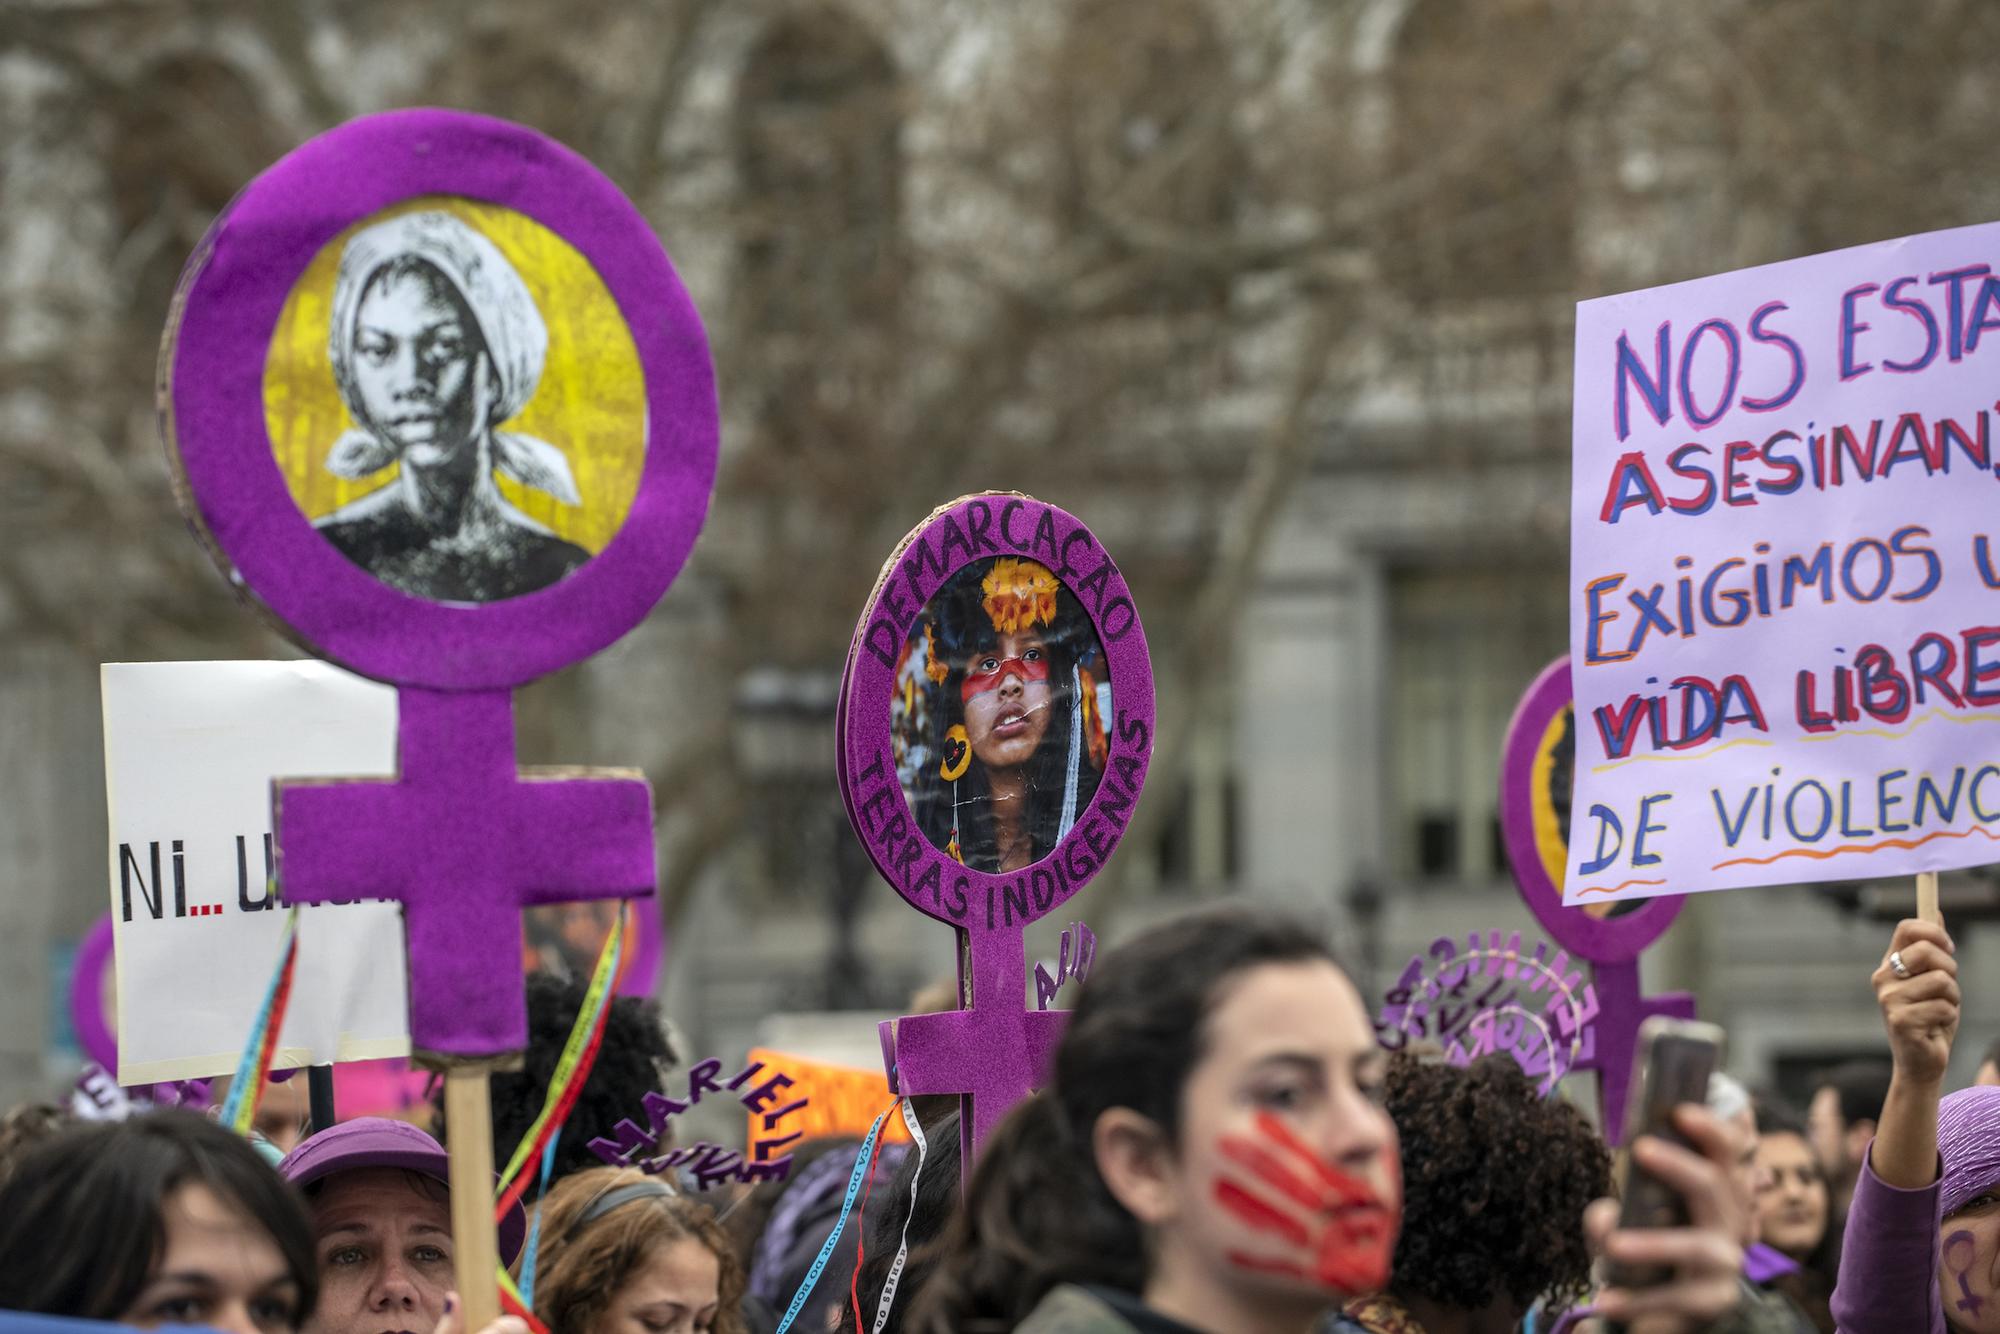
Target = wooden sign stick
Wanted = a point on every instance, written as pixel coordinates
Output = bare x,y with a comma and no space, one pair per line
468,1114
1927,897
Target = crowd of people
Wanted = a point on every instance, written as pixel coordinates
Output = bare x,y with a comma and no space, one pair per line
1220,1147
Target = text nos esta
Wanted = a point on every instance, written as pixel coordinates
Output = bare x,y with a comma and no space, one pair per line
1692,381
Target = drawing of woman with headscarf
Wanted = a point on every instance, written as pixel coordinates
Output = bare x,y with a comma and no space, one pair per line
435,341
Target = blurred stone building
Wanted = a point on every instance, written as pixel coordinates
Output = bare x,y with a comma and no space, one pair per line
1276,294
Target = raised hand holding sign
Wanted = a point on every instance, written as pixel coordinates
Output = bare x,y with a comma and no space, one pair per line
438,403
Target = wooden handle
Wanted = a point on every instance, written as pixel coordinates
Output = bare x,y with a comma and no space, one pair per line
468,1120
1927,898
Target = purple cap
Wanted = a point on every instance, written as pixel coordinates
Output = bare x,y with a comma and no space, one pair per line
1969,1142
377,1141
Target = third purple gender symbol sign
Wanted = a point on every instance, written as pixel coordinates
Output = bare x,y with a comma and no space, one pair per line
1535,783
995,722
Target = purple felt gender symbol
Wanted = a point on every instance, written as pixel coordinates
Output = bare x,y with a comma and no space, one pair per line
1612,944
994,1051
230,300
464,841
461,839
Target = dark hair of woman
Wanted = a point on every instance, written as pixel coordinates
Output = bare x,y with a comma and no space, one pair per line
81,1227
965,630
922,1227
748,1217
1037,1212
632,1061
25,1126
1810,1286
1495,1182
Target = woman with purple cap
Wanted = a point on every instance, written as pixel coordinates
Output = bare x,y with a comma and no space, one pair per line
380,1196
1922,1251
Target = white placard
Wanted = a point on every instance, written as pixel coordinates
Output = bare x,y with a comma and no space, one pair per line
190,749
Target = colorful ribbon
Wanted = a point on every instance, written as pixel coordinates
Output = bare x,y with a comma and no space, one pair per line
864,1163
573,1067
246,1088
534,1244
895,1278
511,1303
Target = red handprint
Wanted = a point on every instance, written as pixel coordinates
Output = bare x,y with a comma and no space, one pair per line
1338,1232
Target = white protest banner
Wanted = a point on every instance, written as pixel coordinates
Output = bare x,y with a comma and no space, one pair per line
1785,601
190,749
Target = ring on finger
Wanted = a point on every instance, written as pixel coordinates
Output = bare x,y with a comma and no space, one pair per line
1898,967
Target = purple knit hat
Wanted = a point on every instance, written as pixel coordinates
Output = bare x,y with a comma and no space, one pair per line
1969,1143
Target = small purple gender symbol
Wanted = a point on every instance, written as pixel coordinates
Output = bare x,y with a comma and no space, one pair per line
1963,1240
464,841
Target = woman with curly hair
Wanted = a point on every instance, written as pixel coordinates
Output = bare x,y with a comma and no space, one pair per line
622,1252
1004,751
632,1061
1495,1183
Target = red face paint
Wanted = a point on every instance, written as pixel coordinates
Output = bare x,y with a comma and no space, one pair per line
1339,1233
993,676
1260,1215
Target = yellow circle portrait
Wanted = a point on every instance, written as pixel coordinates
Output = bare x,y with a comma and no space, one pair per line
456,402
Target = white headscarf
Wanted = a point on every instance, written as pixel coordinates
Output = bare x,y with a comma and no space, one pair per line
517,341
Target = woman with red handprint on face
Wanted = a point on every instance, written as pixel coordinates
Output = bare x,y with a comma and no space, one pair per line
1210,1153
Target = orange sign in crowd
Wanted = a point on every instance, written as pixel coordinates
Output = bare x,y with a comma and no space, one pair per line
845,1100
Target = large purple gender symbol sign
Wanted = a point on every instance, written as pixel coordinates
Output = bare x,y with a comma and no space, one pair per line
994,1051
1540,740
461,837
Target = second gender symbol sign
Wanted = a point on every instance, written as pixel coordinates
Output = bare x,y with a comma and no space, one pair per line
996,721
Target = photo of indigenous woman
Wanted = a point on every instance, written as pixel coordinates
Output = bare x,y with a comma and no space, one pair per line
435,341
998,714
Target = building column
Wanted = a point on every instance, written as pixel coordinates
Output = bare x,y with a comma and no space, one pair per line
52,849
1309,731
